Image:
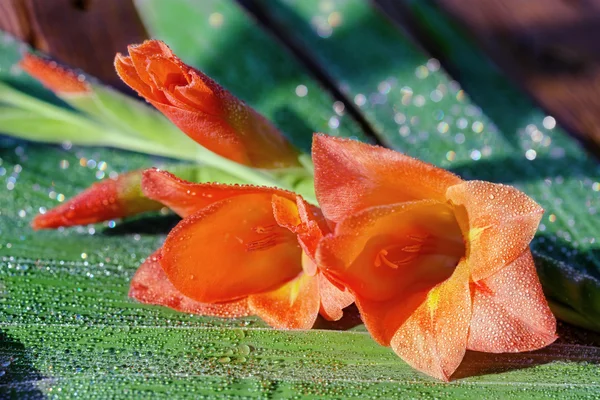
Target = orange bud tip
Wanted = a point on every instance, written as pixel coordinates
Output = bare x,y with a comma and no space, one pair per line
103,201
48,221
59,79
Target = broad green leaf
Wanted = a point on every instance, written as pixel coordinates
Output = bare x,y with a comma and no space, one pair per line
501,137
68,329
190,361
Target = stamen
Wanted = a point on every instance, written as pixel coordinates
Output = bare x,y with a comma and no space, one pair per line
415,248
265,242
268,236
381,258
264,229
404,253
417,238
387,262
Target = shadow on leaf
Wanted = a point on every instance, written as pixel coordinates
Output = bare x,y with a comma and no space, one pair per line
350,319
585,256
144,224
18,377
570,348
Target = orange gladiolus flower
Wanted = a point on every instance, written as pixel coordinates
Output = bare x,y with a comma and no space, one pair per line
438,265
202,109
53,76
245,244
105,200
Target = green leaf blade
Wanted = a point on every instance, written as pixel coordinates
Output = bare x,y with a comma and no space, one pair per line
70,329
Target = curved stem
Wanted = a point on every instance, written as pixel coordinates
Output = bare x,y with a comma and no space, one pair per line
247,174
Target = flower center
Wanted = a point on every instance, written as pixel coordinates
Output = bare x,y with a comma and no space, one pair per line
414,246
397,255
407,252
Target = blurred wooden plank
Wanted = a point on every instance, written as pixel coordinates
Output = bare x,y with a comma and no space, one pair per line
14,19
550,47
84,34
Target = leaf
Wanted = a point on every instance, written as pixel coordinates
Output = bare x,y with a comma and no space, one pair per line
68,328
417,109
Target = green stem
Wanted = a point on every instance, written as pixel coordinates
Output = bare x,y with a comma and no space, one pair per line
115,138
101,134
307,162
206,157
19,99
247,174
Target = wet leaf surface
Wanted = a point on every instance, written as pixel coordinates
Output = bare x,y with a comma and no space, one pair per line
68,329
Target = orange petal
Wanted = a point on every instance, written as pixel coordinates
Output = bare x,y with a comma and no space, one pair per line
210,132
302,219
128,74
510,312
200,94
497,221
202,109
351,176
151,286
59,79
149,48
434,338
286,213
149,69
383,252
105,200
231,249
295,305
333,300
383,318
186,198
141,54
265,145
166,74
